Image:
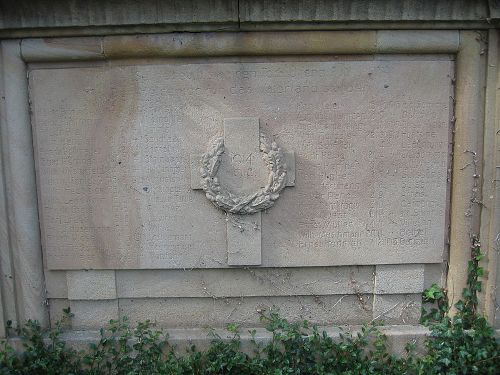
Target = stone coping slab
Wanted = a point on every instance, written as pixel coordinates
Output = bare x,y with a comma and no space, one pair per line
240,44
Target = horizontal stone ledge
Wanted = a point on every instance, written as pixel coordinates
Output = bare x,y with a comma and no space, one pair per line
240,44
321,309
397,337
28,14
256,43
62,49
245,282
182,339
334,25
362,10
218,312
430,41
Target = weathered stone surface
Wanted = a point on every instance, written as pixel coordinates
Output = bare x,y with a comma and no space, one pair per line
189,312
196,182
357,10
394,42
399,336
242,169
93,314
58,13
113,148
26,272
435,274
239,44
244,239
67,49
56,284
91,284
467,143
87,16
56,307
401,278
244,282
397,308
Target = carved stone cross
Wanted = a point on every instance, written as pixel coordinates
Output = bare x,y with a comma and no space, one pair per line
242,171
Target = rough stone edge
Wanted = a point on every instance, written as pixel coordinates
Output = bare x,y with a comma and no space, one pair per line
183,339
240,44
490,222
469,124
251,11
26,14
244,15
59,32
19,173
7,301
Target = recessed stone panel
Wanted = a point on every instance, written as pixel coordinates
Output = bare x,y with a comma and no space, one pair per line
113,146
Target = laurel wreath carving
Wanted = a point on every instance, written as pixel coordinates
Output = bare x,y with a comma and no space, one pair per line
260,200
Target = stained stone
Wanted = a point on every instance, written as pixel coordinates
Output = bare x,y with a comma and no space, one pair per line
113,146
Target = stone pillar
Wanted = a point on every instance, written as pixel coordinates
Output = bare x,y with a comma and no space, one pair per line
24,250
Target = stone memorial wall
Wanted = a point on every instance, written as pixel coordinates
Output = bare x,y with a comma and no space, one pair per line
198,179
113,149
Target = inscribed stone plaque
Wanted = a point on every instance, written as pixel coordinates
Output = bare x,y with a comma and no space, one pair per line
371,138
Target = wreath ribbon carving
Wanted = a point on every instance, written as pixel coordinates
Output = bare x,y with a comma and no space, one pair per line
252,203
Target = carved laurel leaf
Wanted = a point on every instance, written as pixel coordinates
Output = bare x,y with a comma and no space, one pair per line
260,200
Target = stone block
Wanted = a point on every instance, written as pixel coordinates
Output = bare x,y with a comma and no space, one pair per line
244,239
240,44
56,314
398,336
56,284
93,314
401,278
245,170
397,308
392,41
435,274
218,312
91,285
245,282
